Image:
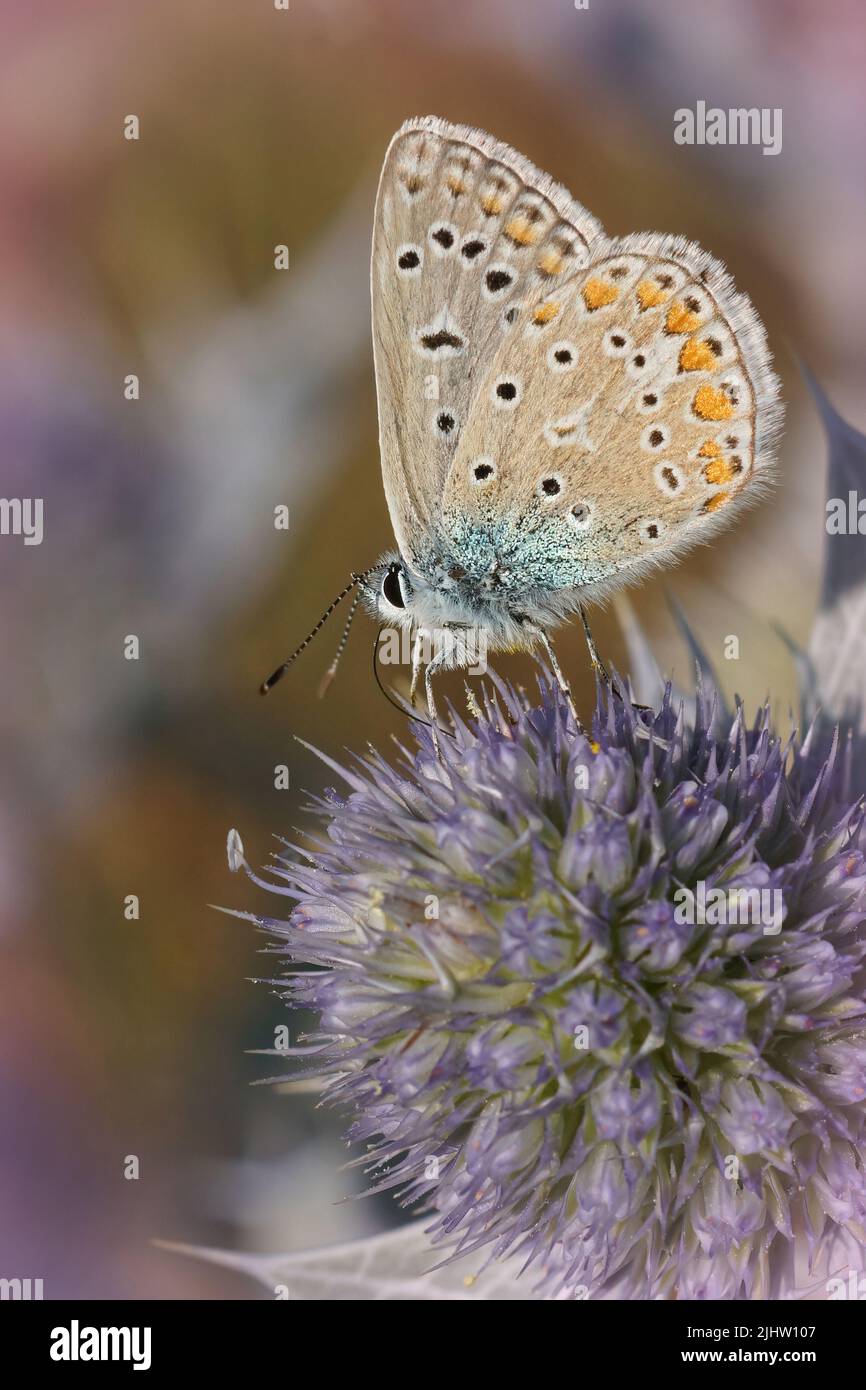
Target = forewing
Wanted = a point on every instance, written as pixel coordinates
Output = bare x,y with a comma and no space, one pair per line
465,229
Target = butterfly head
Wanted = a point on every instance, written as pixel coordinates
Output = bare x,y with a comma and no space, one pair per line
397,596
438,599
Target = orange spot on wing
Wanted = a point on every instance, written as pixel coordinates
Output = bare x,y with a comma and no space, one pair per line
709,450
711,404
545,312
719,471
491,204
680,319
717,500
455,184
519,230
597,293
649,294
550,262
697,356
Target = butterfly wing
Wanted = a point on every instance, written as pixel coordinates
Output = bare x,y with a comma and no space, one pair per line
626,414
465,227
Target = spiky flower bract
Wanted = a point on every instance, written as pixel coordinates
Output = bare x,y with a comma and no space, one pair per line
533,1041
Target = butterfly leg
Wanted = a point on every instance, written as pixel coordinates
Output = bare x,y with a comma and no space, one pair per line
599,666
416,667
563,684
429,671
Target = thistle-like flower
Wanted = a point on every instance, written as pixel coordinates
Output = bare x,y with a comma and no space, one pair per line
598,999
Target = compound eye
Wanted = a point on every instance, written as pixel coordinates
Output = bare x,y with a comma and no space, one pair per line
392,589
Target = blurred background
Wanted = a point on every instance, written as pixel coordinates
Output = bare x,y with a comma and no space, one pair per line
155,257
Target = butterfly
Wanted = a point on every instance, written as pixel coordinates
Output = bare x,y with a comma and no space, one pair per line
560,411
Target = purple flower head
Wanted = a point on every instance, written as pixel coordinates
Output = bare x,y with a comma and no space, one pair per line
598,999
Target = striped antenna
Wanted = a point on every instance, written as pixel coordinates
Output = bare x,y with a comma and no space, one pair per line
341,646
277,675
